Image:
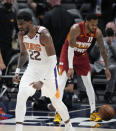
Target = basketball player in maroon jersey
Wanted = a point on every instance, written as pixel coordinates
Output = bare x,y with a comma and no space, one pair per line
74,54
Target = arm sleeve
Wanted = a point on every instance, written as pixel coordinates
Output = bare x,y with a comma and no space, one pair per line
70,56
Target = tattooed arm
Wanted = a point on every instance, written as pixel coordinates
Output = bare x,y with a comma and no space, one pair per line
46,40
74,32
100,43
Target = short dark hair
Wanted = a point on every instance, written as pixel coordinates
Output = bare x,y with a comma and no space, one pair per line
91,16
24,15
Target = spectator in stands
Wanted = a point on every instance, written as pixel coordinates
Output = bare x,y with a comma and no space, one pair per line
39,7
31,8
3,115
98,66
87,6
15,6
114,13
105,12
58,21
103,8
110,43
111,25
7,25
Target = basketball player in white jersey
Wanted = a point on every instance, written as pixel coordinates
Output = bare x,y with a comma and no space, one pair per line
41,72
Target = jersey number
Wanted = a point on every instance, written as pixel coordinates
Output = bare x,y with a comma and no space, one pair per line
34,55
90,39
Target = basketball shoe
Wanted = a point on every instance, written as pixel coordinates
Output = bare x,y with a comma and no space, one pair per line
97,125
57,119
3,115
95,116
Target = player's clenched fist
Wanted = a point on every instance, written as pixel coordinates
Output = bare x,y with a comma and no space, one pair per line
70,73
16,78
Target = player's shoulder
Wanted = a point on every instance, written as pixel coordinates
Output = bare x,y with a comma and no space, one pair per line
75,29
41,29
98,32
75,26
44,35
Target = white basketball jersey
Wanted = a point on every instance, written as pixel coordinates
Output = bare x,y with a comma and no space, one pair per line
36,51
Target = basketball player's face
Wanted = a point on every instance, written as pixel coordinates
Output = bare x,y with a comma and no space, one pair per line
23,26
92,25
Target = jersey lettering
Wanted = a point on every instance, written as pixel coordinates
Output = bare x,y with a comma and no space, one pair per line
82,46
32,46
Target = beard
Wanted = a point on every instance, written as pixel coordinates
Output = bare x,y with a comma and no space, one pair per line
23,32
26,32
92,31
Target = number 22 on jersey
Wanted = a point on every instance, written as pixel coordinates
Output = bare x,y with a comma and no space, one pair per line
34,55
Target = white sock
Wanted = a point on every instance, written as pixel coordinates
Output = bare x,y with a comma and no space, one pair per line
19,127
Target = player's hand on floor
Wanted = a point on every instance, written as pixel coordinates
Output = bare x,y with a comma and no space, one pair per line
16,79
37,85
70,73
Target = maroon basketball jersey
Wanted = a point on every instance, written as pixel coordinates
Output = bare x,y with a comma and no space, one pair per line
81,60
84,40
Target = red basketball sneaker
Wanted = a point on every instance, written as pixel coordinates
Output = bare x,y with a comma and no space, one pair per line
3,115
